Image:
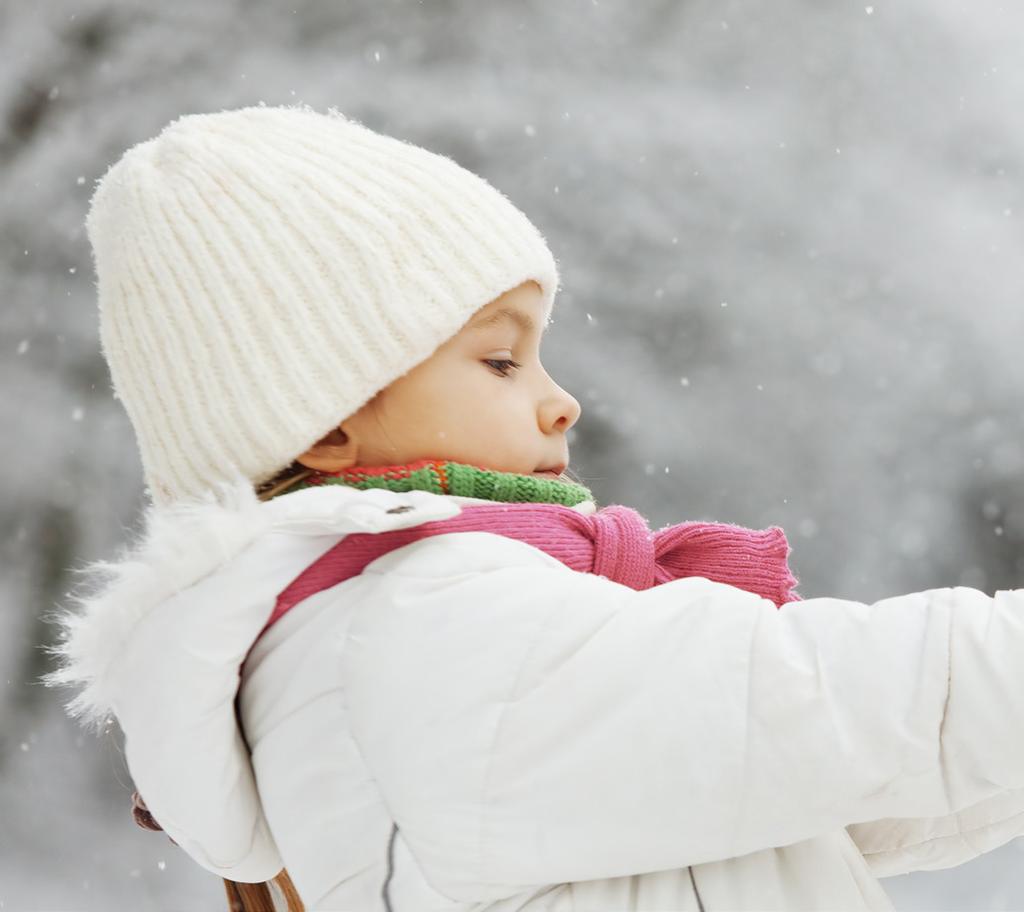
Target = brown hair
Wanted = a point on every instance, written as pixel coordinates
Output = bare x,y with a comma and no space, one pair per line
288,476
259,897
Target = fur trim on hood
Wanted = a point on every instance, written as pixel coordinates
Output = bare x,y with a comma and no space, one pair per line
184,542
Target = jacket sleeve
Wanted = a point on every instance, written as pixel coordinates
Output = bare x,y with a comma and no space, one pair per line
903,844
529,724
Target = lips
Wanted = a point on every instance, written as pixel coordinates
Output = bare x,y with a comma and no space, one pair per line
553,472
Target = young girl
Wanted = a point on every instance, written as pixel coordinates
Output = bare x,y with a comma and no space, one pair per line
376,636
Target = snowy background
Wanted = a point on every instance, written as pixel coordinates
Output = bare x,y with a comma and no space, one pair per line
791,240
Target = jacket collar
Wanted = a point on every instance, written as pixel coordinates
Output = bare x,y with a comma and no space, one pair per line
188,540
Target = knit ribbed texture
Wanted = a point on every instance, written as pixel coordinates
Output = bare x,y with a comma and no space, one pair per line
446,477
614,542
263,272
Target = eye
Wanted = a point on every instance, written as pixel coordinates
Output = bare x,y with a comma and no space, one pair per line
502,365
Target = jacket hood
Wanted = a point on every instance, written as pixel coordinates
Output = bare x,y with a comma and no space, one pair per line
182,543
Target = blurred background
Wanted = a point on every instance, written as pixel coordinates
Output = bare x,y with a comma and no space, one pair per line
790,236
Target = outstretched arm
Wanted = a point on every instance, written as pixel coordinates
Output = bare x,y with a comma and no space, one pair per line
529,724
903,844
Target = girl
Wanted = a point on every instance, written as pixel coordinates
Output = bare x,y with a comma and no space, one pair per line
376,636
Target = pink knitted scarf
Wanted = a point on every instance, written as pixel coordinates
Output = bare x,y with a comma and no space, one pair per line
614,542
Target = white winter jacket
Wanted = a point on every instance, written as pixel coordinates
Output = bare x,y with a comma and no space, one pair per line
471,725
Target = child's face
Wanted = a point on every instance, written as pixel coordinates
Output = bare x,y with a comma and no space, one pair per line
457,405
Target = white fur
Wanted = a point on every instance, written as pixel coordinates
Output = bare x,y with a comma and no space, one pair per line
180,544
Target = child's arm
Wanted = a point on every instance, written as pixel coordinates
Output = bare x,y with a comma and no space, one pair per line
904,844
527,724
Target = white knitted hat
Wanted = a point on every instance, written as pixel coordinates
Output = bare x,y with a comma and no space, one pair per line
263,272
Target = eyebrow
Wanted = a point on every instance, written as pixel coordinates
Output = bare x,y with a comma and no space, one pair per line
522,320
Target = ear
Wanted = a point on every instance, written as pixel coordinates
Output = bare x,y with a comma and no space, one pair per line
338,450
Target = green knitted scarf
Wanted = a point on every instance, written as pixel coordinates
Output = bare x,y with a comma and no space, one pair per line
459,478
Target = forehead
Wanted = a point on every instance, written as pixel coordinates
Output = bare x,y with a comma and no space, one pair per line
506,314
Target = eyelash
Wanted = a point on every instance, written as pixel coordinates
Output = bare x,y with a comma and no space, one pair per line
505,361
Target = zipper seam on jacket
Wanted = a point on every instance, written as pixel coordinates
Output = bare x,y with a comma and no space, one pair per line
700,902
391,867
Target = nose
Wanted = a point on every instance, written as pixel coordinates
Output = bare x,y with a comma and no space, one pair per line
559,411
